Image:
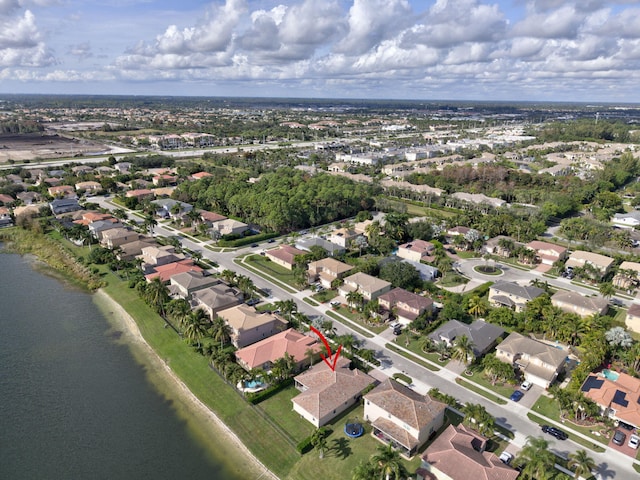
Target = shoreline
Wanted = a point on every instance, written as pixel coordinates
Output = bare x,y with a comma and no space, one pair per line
208,424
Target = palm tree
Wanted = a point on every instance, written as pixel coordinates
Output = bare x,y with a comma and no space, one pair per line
355,299
179,309
607,290
388,460
319,440
196,255
581,463
310,354
228,276
364,471
463,350
442,349
477,306
220,331
426,344
197,325
245,285
287,307
149,223
536,458
157,294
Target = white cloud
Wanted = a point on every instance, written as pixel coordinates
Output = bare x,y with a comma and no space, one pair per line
561,23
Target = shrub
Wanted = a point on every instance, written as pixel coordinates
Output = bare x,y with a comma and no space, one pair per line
403,378
305,446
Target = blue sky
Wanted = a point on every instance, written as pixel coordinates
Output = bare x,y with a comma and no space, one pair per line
537,50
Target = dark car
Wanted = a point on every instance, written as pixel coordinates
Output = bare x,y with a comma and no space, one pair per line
619,437
516,396
254,245
555,432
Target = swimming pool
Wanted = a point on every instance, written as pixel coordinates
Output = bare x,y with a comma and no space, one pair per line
610,374
254,384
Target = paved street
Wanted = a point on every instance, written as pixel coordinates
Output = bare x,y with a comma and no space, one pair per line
611,464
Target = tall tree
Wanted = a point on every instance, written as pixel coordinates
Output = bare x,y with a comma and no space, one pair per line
389,463
581,463
463,350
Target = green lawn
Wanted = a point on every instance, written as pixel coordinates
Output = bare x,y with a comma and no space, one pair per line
479,391
343,453
260,264
355,317
353,326
280,409
451,280
325,295
426,365
479,378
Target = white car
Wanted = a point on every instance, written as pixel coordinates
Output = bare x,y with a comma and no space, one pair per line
526,385
506,457
634,441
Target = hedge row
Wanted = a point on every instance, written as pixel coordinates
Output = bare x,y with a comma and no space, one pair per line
257,397
239,242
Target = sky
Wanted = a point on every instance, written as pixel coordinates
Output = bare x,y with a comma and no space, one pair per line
509,50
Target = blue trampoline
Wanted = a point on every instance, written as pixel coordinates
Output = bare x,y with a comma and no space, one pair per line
353,428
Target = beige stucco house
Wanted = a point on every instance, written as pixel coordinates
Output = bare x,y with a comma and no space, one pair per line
326,393
580,258
284,255
632,321
417,251
370,287
573,302
401,416
539,363
512,295
407,305
250,326
327,270
547,253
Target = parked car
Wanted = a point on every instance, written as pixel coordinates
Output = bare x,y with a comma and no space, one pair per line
254,245
634,441
506,457
619,437
516,396
335,303
555,432
526,385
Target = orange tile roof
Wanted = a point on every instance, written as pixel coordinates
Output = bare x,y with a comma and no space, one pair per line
270,349
623,395
165,272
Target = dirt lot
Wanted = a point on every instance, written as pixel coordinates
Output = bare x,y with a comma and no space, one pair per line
33,146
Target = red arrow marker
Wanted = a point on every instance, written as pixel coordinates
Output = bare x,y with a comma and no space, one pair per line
331,365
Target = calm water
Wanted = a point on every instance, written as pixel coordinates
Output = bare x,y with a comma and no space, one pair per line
74,403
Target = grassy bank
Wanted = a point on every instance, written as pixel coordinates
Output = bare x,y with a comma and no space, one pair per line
193,369
51,252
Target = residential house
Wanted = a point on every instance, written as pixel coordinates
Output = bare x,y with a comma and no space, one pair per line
459,453
547,253
29,198
417,251
370,287
90,187
169,208
130,250
90,217
123,167
627,276
98,227
264,353
632,321
64,205
165,272
402,417
185,284
216,298
200,175
62,191
407,305
500,245
5,218
512,295
157,255
539,363
6,199
573,302
344,237
250,326
209,218
331,248
140,193
327,270
483,335
428,273
230,227
627,220
601,263
284,255
479,199
326,393
617,395
114,237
